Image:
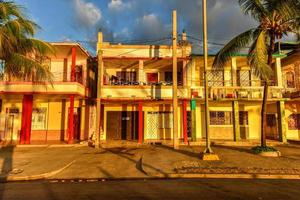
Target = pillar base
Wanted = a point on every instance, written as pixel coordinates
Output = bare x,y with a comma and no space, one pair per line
210,157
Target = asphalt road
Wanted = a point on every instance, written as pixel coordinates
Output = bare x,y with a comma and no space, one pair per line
154,189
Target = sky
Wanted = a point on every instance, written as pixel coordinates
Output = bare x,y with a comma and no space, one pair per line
133,21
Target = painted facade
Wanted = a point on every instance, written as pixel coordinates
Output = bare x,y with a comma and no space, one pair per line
49,112
136,95
291,81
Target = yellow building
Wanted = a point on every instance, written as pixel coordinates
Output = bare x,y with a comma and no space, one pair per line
136,95
44,112
291,82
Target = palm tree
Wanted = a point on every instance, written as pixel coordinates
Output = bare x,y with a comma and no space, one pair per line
21,53
276,18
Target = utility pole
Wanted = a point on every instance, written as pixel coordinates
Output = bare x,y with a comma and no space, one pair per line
175,99
99,88
208,153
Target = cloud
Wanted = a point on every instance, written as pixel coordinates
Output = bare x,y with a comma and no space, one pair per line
118,5
87,13
149,26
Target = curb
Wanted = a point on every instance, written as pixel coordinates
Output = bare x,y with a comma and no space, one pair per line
232,176
43,176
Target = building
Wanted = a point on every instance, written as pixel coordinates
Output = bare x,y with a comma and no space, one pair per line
136,95
136,91
33,112
291,82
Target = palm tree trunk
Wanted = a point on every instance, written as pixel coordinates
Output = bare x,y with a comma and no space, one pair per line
264,115
265,96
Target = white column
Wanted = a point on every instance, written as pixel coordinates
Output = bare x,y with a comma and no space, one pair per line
141,76
278,72
233,71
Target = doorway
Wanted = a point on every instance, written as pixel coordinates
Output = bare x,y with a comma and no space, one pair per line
122,125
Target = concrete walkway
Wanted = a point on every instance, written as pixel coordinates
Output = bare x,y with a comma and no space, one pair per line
82,162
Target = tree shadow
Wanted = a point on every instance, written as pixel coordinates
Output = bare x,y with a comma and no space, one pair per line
138,164
182,151
6,155
239,149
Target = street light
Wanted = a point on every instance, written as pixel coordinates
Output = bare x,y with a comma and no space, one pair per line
208,154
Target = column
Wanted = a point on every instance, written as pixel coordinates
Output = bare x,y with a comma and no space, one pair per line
72,99
184,117
141,71
99,88
278,72
233,71
281,121
26,119
236,121
141,123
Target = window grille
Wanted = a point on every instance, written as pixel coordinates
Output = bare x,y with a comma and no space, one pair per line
220,118
243,118
243,78
39,119
294,122
215,78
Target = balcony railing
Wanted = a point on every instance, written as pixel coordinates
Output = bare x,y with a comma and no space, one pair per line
251,93
42,88
155,92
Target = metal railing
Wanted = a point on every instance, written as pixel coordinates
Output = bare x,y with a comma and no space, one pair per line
218,93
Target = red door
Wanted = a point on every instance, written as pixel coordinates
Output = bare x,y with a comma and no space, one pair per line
152,77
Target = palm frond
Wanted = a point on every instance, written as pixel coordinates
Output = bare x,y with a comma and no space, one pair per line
253,7
38,47
234,46
286,9
21,66
8,9
258,57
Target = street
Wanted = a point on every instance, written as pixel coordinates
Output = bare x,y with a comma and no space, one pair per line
154,189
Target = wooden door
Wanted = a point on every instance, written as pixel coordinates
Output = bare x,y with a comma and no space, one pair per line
10,128
113,125
77,122
122,125
272,129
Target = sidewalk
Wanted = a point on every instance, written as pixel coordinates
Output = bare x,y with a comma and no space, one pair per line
82,162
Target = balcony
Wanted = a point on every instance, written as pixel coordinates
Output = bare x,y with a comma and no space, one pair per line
14,87
246,93
154,92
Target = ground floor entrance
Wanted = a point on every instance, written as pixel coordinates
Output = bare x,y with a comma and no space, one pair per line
122,125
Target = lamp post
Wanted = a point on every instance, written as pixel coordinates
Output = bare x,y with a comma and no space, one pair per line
208,153
175,99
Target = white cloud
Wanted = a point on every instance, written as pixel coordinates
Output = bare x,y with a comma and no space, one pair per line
88,13
124,33
118,5
151,27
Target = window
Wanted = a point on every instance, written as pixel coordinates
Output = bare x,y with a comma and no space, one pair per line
79,74
126,76
243,78
220,118
39,119
294,122
215,78
169,78
152,77
290,80
243,118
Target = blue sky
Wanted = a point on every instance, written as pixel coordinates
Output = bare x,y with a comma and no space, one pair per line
134,20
